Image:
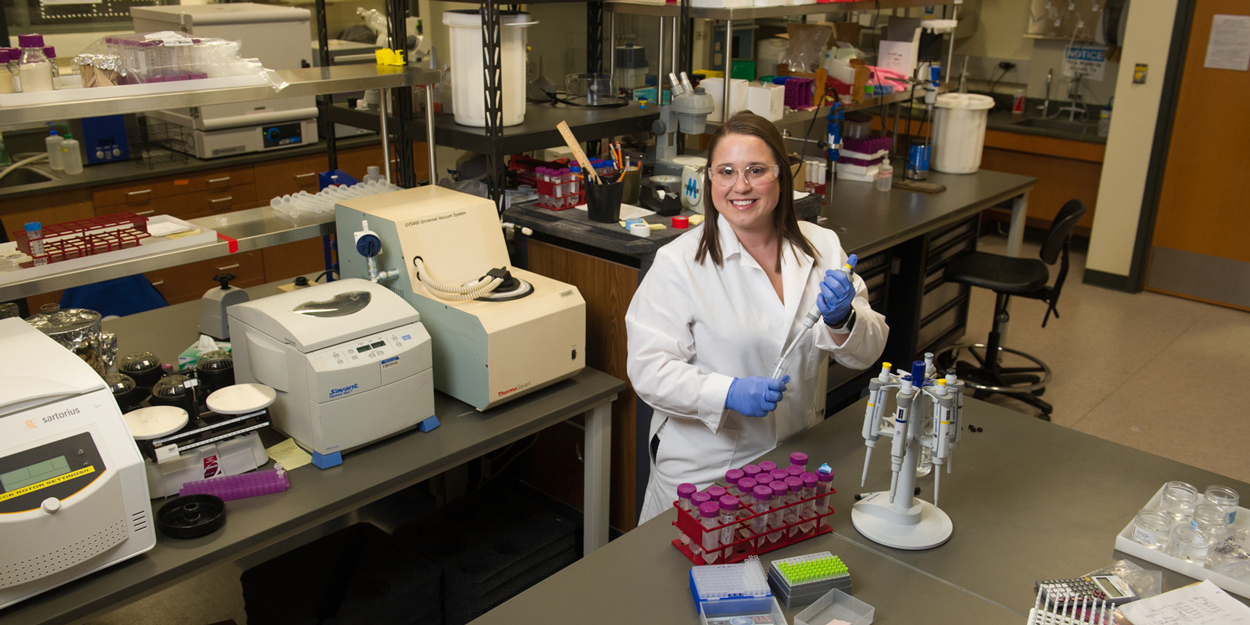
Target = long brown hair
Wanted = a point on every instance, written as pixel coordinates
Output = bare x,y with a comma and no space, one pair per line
785,221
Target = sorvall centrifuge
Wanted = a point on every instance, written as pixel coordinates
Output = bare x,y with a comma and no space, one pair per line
496,336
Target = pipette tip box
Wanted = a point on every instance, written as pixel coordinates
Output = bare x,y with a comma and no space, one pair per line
803,579
724,592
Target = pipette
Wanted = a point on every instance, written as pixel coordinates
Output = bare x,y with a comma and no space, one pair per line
899,447
872,414
810,320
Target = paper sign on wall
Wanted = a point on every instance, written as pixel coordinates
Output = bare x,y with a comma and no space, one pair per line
1229,45
1085,60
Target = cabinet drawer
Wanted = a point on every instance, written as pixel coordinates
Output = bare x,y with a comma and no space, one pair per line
938,293
142,192
189,282
289,175
191,205
941,323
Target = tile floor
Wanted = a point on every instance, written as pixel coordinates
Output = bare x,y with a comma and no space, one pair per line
1143,370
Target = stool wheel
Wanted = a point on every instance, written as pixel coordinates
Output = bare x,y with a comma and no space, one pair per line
1000,380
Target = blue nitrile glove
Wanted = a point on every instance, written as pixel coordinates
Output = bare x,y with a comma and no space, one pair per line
755,396
836,294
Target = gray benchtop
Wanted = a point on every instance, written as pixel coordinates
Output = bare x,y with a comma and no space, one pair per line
1030,500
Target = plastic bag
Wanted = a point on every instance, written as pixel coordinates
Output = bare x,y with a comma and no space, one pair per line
807,47
165,56
1143,582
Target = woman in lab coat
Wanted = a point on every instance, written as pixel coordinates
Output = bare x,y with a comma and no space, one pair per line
714,311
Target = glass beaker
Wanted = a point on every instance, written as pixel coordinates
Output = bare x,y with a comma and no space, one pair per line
1179,500
1188,544
1226,499
1151,527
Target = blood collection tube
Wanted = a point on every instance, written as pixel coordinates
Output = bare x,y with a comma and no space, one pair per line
768,465
752,471
777,509
763,497
684,491
798,458
728,518
825,475
710,511
731,481
791,516
716,492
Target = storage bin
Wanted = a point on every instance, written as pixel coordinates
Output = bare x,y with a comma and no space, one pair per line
467,74
959,132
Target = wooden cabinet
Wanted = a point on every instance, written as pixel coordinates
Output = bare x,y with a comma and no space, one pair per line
189,282
141,195
1064,169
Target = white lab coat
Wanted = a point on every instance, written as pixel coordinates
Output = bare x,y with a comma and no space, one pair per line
693,327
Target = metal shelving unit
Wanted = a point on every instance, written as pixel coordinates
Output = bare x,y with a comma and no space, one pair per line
253,228
806,115
538,131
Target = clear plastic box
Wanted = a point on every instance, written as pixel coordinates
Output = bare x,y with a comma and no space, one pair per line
724,612
836,605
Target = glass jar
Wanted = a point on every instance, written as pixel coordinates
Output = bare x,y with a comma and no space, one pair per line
1188,544
1151,527
1179,500
1226,499
1211,520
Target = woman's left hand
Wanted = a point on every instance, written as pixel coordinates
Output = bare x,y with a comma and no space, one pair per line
836,294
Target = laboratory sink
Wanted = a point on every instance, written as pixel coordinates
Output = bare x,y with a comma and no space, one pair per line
1056,125
24,176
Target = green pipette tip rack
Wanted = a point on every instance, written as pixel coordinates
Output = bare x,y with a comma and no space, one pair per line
814,570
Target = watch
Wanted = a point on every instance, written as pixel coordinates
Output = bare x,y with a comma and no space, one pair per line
847,325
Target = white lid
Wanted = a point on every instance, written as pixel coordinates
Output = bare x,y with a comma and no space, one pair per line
212,14
240,399
36,369
969,101
693,161
473,18
277,315
146,424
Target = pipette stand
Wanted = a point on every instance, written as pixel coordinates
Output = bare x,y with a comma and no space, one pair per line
929,417
908,523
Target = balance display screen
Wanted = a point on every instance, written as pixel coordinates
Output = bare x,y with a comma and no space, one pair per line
34,473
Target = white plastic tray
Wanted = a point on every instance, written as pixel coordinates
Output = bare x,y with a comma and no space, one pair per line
836,604
150,245
1124,542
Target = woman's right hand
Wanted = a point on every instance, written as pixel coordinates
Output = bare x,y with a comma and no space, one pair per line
755,396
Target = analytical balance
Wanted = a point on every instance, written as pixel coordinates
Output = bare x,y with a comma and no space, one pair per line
73,496
499,332
350,362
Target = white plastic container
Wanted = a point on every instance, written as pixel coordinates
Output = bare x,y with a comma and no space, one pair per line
959,132
766,100
768,53
468,83
71,156
53,144
715,87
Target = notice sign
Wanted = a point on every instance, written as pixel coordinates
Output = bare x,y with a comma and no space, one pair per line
1087,61
1229,45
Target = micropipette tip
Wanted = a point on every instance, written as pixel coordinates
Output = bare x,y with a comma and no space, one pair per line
937,484
864,479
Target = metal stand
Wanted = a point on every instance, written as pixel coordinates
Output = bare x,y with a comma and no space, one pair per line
491,62
908,523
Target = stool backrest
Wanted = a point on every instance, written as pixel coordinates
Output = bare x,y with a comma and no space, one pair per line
1061,230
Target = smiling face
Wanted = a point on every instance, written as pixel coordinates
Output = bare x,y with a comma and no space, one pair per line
747,207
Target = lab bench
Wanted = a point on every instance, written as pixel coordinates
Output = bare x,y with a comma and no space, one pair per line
321,502
1030,500
903,240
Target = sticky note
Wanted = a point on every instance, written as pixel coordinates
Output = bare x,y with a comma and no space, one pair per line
289,454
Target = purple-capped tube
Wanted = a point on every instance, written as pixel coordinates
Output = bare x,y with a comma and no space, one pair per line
777,509
728,518
698,499
791,516
768,465
794,470
716,492
731,481
763,497
752,471
684,491
825,475
798,458
808,509
779,475
710,511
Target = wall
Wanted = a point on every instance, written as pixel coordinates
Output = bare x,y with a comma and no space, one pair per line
1132,136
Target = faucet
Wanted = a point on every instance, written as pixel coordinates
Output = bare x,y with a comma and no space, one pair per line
1045,105
1074,105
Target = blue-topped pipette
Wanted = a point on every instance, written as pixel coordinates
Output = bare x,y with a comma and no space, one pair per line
810,320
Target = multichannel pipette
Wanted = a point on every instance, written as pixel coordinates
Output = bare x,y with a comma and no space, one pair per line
810,320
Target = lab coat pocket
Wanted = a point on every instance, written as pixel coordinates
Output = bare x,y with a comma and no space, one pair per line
690,452
811,367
